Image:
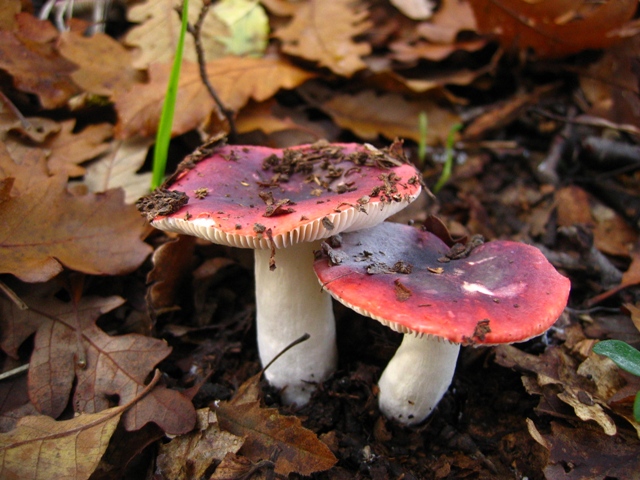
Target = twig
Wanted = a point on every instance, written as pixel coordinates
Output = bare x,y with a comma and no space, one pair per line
14,371
13,297
196,31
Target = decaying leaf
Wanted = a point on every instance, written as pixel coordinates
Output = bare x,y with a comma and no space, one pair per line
70,348
171,263
68,149
118,167
190,456
104,64
553,28
40,448
330,43
236,80
47,227
369,115
586,453
30,57
266,430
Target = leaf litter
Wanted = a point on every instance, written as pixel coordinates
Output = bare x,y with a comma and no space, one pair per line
527,168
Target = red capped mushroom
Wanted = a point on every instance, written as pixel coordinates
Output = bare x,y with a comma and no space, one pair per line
411,281
285,201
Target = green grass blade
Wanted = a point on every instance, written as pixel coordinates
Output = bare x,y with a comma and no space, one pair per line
448,163
163,137
623,354
423,126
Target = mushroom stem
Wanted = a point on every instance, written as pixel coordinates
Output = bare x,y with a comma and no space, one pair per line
417,377
290,303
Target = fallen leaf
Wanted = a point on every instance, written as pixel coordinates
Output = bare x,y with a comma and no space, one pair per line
41,448
265,429
330,43
172,263
118,167
26,165
235,79
610,84
30,57
8,12
190,456
586,453
69,349
415,9
369,115
104,64
68,149
407,53
229,28
453,17
47,227
553,28
504,113
234,467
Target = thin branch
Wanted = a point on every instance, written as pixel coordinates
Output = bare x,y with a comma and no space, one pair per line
196,32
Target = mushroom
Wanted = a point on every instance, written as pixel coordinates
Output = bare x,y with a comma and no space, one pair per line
439,298
281,203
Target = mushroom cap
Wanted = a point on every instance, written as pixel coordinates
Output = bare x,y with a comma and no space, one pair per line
256,197
502,292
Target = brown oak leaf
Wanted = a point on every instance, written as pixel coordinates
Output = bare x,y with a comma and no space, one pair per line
266,430
312,36
30,57
553,28
69,347
47,227
235,79
42,448
105,65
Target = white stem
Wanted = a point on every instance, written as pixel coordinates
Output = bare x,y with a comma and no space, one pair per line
417,377
290,303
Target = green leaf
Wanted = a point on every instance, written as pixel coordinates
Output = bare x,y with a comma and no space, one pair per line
623,354
636,408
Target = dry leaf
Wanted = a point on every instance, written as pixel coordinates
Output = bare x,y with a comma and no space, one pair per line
369,115
611,84
70,349
312,36
29,56
172,262
104,64
553,28
8,12
585,453
452,17
228,29
265,430
42,449
189,456
46,227
68,149
415,9
118,167
235,79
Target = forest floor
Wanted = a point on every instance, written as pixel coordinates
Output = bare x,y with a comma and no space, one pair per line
544,149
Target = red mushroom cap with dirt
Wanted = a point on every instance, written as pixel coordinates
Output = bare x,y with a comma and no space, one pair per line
439,297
